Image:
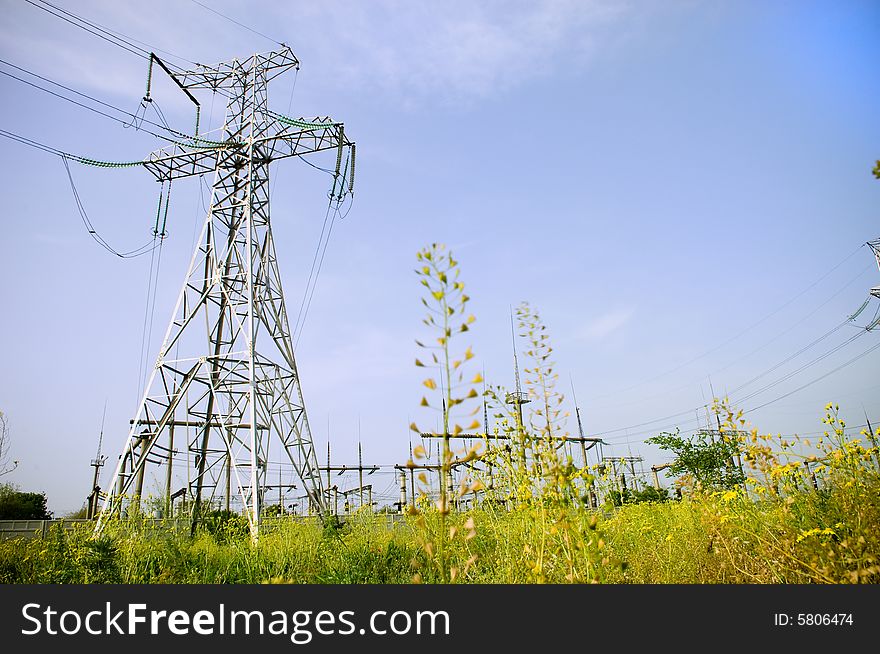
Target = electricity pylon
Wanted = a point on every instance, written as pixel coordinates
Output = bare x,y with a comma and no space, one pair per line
225,374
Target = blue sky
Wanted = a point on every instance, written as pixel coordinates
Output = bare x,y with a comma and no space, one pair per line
680,189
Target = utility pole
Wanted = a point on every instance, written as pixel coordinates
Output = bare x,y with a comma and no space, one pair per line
244,374
170,468
402,491
517,398
812,475
360,473
360,468
657,468
873,440
717,417
228,494
412,475
635,480
97,462
623,460
582,439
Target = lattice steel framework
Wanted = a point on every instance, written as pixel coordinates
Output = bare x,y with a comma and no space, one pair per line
225,374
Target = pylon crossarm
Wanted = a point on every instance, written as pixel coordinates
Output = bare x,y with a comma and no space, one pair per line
230,75
178,161
292,141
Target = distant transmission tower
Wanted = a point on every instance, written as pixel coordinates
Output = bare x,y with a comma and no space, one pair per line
225,377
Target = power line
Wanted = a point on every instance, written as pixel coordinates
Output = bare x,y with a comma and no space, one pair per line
93,233
307,296
317,273
232,20
761,390
97,26
125,123
802,368
789,358
736,336
61,153
80,104
118,39
84,25
785,377
127,42
65,156
810,383
123,37
315,166
650,422
113,37
34,144
666,391
305,305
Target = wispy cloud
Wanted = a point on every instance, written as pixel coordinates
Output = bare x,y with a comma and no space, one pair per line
451,51
599,328
459,49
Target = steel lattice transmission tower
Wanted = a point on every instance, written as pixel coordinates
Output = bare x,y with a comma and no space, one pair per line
225,377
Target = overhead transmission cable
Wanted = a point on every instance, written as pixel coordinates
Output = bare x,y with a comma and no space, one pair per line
35,144
763,389
113,37
787,330
849,283
89,27
80,104
61,153
150,307
123,41
810,383
735,336
93,233
789,375
242,25
803,367
197,141
131,41
333,205
65,157
314,271
130,44
790,357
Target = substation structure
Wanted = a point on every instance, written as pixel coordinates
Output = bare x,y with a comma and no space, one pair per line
407,472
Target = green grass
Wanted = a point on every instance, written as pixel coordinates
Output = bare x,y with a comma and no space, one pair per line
775,528
700,540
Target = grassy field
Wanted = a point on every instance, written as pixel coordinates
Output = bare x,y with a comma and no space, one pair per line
775,528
